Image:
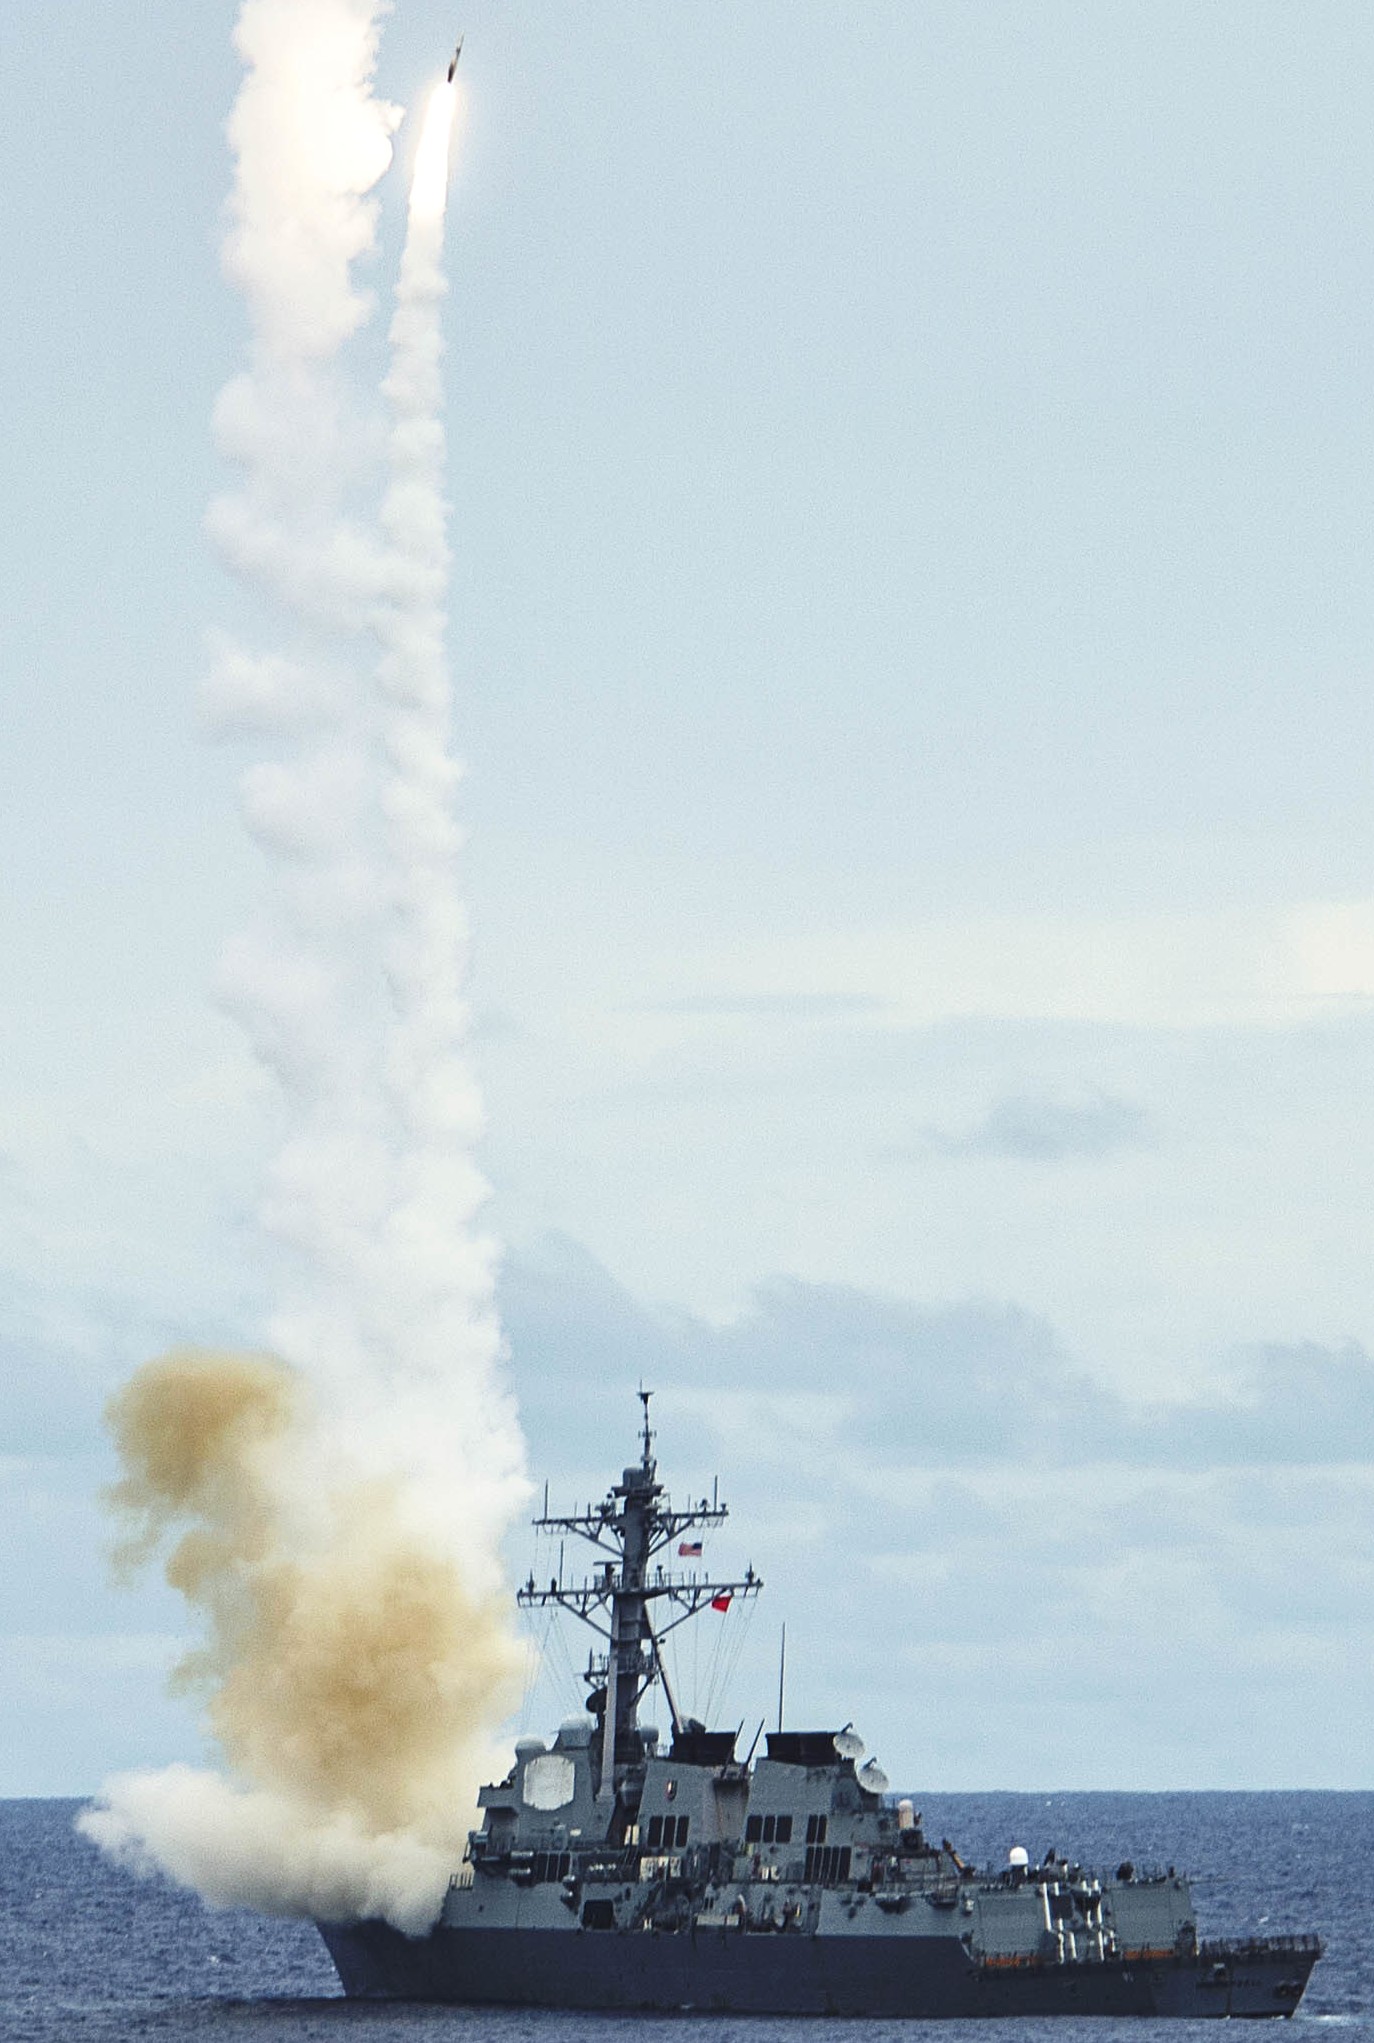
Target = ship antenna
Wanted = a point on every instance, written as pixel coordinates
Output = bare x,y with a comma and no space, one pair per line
782,1672
633,1526
661,1671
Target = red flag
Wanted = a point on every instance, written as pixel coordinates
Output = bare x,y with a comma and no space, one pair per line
721,1602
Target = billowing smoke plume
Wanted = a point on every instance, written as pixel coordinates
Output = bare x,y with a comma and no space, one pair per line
335,1514
349,1668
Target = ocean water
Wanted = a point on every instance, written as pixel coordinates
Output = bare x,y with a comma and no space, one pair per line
90,1953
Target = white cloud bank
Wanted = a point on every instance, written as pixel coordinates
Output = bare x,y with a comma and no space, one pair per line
1270,966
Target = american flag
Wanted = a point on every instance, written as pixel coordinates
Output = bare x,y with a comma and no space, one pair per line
689,1550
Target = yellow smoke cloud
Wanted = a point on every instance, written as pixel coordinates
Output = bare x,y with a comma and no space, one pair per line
191,1430
347,1668
367,1673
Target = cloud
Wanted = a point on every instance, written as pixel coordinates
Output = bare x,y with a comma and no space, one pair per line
1264,966
1041,1129
830,1368
785,1006
964,1529
854,1381
935,1383
1285,1404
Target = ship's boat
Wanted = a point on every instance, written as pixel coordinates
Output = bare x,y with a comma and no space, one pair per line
608,1873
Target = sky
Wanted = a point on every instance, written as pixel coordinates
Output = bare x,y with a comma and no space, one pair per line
912,485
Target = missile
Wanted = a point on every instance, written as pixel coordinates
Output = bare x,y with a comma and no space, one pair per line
456,55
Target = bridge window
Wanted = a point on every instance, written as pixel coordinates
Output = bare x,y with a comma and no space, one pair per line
768,1830
828,1864
816,1827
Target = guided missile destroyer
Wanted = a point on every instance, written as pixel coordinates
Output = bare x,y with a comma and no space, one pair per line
608,1873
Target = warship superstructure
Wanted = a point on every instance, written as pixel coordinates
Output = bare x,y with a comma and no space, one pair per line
608,1873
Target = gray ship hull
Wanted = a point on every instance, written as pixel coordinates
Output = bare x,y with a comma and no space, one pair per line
725,1971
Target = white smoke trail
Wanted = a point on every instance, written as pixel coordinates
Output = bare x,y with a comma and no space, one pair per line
392,1467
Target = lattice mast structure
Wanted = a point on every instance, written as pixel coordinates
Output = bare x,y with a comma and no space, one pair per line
634,1524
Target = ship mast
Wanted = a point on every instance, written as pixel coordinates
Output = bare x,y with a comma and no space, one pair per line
634,1524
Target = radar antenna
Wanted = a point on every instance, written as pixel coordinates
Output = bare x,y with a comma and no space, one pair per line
634,1524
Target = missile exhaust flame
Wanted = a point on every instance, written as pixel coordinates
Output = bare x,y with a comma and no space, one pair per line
429,181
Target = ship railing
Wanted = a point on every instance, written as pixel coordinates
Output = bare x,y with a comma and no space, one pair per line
1253,1948
462,1878
609,1867
1298,1944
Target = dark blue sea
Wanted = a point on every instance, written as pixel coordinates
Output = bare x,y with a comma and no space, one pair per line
88,1952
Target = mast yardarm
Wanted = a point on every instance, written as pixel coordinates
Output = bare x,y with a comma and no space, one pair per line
634,1525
